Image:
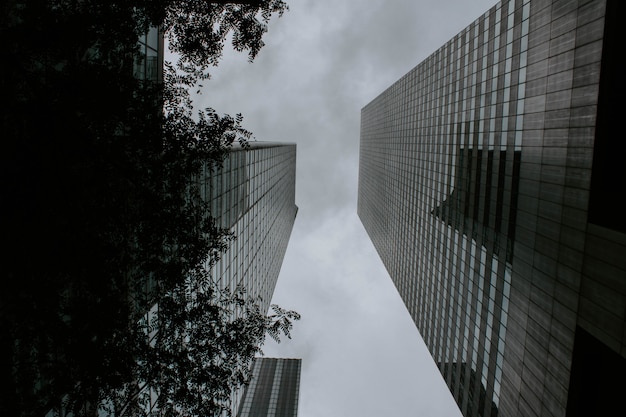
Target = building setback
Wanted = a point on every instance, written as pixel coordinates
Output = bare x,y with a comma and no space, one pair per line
489,182
273,389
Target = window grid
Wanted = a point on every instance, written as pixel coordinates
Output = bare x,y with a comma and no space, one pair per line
440,150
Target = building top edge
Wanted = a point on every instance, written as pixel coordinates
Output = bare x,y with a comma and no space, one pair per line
263,144
431,55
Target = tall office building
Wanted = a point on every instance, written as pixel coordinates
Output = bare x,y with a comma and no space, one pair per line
490,180
253,194
273,390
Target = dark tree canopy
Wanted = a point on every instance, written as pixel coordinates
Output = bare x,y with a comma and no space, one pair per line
186,22
100,219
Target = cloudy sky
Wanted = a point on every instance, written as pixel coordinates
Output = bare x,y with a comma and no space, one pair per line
323,61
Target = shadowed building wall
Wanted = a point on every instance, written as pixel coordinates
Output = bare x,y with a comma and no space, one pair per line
488,184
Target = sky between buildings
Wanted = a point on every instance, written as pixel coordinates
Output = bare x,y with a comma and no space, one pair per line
323,61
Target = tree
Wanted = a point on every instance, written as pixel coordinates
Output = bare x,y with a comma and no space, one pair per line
204,347
186,23
97,198
200,344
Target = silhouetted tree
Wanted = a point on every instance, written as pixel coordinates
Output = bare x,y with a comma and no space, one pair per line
100,218
197,345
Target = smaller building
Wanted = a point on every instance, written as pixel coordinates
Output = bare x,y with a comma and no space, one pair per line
273,390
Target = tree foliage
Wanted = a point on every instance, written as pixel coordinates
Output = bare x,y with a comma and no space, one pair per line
195,346
100,218
187,22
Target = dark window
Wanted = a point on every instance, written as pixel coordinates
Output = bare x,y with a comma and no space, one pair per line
608,178
597,381
500,190
488,187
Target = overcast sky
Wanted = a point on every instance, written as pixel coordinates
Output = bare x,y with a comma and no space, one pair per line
323,61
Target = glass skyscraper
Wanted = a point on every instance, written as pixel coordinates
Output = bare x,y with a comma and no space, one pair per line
488,183
253,194
273,390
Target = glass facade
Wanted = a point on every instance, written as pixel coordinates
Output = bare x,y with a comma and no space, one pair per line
474,181
273,390
253,195
148,63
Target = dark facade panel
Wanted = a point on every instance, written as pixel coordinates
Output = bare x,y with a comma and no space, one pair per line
608,181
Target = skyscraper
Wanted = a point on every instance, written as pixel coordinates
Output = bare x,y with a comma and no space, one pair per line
253,194
273,390
488,184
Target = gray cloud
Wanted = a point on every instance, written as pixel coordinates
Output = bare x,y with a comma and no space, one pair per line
355,331
323,61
